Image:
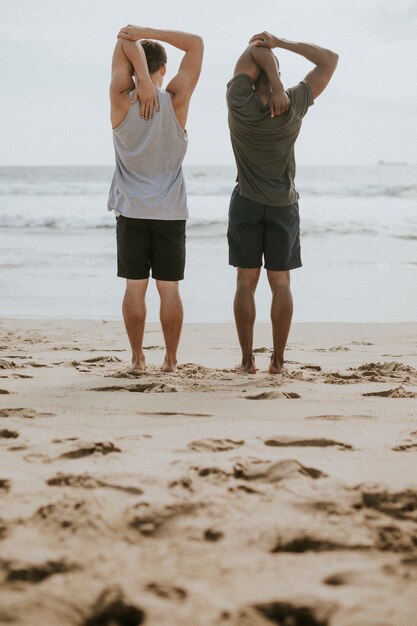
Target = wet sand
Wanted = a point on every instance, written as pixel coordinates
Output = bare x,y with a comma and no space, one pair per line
208,497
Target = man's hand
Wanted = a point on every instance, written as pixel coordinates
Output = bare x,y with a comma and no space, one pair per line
133,33
264,39
148,98
279,103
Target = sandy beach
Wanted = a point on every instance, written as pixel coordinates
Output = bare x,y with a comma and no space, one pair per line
208,497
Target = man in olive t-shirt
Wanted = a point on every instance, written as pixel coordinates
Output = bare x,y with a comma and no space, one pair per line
264,122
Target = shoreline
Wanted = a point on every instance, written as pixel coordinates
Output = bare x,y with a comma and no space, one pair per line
207,496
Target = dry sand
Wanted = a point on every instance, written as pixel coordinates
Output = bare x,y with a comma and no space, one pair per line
208,497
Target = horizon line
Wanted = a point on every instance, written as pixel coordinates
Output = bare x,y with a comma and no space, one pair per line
380,162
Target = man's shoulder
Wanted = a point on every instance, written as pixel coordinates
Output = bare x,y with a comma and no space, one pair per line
301,97
301,90
240,90
240,79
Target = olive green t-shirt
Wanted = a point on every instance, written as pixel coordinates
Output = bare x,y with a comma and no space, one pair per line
264,146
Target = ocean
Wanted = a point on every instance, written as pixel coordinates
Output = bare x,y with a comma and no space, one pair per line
359,236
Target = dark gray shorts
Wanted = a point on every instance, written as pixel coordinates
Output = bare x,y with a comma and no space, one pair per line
143,245
258,231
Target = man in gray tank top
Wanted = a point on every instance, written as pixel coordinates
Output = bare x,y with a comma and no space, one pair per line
148,192
264,122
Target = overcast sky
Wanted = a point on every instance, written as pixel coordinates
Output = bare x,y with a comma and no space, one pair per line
55,60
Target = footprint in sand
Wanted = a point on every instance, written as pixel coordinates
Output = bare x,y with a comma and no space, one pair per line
215,473
127,374
35,364
172,413
102,360
79,366
149,519
385,372
269,471
401,505
5,433
361,343
65,439
397,392
405,447
183,483
284,441
395,539
111,608
5,486
36,573
315,368
140,388
210,534
353,577
336,418
16,376
72,515
80,451
88,449
272,395
85,481
37,457
310,543
285,613
5,365
333,349
336,378
21,412
214,445
86,365
166,591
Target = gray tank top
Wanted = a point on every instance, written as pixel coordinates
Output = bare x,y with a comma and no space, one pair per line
148,182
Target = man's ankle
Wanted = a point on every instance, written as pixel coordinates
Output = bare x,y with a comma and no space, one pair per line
170,363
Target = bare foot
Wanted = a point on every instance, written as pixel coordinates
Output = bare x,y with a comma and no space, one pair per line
247,366
169,366
276,367
137,367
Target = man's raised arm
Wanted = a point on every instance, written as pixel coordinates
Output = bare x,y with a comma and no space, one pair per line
324,60
128,60
256,59
183,84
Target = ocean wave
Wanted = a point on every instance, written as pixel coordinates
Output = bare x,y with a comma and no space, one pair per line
213,189
205,228
50,189
364,191
406,237
389,180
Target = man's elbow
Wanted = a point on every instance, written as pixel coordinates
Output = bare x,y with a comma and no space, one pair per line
198,43
260,55
333,58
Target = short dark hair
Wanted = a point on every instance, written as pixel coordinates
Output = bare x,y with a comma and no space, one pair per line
156,56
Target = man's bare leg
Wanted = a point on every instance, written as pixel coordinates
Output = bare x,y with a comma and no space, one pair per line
281,315
245,314
134,315
171,314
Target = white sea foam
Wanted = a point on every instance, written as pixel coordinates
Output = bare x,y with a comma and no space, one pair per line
381,180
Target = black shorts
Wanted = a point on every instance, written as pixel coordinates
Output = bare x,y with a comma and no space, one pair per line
143,245
258,230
